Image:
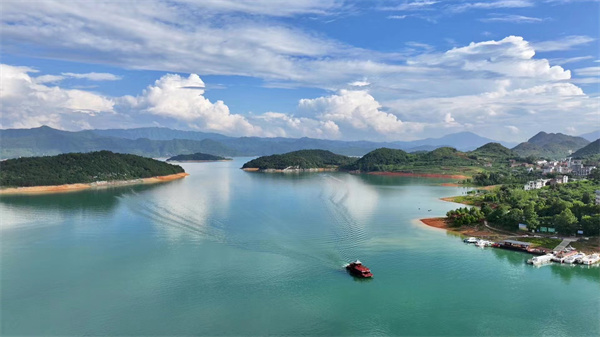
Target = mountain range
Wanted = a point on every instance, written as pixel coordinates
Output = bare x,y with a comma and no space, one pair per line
164,142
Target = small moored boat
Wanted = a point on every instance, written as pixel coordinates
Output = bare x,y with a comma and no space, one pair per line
470,240
539,260
357,269
590,259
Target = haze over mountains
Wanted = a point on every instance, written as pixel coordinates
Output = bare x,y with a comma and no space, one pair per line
164,142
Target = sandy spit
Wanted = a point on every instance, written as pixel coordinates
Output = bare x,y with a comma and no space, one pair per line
97,184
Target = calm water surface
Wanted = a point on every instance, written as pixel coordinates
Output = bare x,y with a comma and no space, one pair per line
227,252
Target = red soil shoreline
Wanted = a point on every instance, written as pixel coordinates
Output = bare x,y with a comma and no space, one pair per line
425,175
79,187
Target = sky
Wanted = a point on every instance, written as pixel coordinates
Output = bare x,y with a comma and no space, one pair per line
332,69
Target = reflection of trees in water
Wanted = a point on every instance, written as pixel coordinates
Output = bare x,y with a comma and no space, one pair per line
567,272
513,257
398,180
94,200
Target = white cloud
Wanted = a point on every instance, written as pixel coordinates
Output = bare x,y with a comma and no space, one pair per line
397,17
27,102
565,43
357,111
589,71
180,98
93,76
491,5
412,6
266,7
513,129
512,19
363,83
282,125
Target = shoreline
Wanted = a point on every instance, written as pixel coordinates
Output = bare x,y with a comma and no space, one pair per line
320,169
442,223
197,161
424,175
29,190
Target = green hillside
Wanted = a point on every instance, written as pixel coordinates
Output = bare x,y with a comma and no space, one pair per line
74,168
197,157
390,160
493,151
303,159
590,150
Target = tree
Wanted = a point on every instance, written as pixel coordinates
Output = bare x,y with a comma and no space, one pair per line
586,198
566,222
595,175
531,217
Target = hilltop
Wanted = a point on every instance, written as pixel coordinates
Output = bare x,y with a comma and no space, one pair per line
550,145
299,160
76,168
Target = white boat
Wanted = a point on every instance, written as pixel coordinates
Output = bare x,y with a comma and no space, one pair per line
591,259
573,258
539,260
470,240
483,243
560,257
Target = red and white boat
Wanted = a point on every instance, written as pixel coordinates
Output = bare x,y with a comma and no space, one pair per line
357,269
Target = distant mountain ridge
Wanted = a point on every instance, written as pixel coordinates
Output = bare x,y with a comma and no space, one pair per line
164,142
591,136
550,145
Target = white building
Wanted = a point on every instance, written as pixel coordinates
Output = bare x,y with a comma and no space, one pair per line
597,197
535,184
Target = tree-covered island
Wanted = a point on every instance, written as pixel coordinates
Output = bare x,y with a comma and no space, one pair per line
76,168
197,157
303,160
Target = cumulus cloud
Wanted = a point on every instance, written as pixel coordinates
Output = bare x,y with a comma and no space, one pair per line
358,111
27,102
278,124
181,98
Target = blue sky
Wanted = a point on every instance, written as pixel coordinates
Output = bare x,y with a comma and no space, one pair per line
375,70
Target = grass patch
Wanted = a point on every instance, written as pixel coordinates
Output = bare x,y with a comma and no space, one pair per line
541,242
591,245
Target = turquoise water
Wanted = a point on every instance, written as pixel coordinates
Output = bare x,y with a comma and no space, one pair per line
228,252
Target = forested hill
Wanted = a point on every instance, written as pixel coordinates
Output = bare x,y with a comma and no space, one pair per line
303,159
550,145
436,161
197,157
72,168
589,151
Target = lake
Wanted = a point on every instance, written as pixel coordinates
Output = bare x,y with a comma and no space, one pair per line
228,252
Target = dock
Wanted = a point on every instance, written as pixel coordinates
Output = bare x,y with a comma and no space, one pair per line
564,243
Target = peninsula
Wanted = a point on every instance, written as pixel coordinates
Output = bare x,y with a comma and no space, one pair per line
76,171
197,158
